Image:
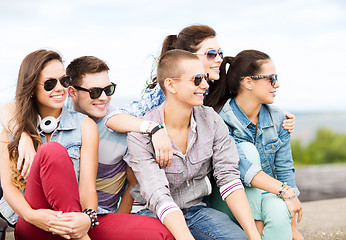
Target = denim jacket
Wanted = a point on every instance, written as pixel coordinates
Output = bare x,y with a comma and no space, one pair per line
67,134
271,140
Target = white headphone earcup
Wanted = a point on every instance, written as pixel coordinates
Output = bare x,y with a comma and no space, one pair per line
48,124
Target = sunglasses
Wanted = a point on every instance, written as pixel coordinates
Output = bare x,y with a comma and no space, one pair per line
50,84
273,78
197,79
96,92
212,53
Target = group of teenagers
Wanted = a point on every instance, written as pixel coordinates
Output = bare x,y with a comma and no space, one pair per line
203,155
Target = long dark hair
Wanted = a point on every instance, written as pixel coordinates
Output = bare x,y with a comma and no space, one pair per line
26,112
245,63
188,39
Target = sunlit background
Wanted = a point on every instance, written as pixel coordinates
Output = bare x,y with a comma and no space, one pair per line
305,38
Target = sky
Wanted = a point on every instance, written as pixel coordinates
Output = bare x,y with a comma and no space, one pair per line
306,39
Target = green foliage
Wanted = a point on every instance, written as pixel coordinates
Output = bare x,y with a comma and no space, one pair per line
327,147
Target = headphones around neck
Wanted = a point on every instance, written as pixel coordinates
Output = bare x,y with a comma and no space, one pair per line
48,124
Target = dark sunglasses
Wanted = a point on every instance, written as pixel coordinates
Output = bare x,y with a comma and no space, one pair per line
212,53
273,78
96,92
197,79
50,84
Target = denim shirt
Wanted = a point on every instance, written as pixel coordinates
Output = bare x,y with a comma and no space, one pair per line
271,140
67,134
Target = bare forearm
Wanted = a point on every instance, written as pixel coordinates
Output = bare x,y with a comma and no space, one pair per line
126,202
240,207
88,199
265,182
124,122
175,222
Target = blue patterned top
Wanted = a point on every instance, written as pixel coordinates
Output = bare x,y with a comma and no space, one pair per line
151,99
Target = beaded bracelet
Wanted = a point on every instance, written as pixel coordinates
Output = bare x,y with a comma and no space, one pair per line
93,217
282,190
289,198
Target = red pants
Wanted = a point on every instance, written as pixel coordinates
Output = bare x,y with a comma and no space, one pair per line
52,185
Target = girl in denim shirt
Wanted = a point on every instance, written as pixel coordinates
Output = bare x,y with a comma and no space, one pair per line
242,97
198,39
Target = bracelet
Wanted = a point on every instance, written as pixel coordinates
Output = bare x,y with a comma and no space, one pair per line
144,126
282,190
289,198
155,129
93,217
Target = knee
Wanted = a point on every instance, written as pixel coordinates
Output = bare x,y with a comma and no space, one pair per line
53,153
277,215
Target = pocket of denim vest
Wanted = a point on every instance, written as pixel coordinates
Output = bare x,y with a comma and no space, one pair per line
74,150
273,145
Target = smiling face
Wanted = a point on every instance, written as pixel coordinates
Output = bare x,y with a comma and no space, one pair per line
185,89
210,66
262,89
51,102
94,108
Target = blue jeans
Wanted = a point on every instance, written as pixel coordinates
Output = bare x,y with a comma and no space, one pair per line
206,223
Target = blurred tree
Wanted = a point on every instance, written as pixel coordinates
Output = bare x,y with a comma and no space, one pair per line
327,147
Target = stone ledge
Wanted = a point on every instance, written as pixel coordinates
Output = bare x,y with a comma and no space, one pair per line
325,219
322,220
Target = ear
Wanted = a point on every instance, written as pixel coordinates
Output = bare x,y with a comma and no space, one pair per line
72,92
169,85
247,81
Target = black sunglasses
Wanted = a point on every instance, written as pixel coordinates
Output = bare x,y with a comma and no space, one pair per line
50,84
212,53
96,92
197,79
273,78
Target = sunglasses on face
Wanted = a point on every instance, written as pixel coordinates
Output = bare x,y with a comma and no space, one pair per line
50,84
197,79
212,53
273,78
96,92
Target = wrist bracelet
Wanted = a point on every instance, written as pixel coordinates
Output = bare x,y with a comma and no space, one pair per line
288,198
281,192
155,129
93,217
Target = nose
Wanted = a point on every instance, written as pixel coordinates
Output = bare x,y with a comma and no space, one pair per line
59,87
218,58
204,84
103,96
276,85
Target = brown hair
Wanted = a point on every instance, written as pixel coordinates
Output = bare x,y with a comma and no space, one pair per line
26,112
245,63
188,39
169,65
84,65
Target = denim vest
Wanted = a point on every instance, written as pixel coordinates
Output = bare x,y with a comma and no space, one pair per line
271,140
67,134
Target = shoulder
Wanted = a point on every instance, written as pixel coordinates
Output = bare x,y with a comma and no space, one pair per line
154,114
207,116
275,112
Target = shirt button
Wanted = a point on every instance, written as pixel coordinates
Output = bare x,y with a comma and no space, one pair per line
273,147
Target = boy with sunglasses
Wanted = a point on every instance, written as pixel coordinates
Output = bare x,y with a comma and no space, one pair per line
90,92
200,139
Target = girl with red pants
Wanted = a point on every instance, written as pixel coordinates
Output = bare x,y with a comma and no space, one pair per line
63,176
